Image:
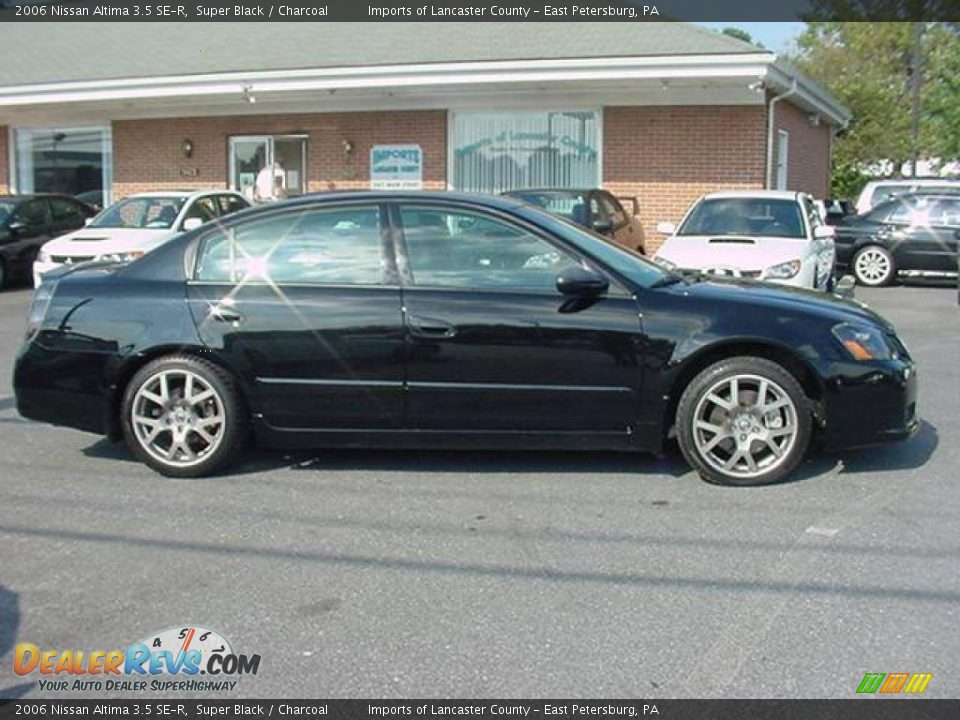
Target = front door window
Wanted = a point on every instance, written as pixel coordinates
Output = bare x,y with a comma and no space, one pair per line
268,167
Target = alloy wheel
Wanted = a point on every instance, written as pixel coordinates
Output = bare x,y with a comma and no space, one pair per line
745,426
178,417
872,266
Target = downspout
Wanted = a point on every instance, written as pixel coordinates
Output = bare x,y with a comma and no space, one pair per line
771,116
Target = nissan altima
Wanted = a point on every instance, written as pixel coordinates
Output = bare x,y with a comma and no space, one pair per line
444,320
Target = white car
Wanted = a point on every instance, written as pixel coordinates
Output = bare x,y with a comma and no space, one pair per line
769,235
134,226
878,191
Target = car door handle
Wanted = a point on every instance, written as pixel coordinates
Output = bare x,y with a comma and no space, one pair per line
430,327
224,314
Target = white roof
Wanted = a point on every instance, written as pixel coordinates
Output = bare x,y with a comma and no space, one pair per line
759,194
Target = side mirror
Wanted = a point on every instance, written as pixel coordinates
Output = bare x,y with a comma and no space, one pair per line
192,223
603,226
580,281
666,228
824,232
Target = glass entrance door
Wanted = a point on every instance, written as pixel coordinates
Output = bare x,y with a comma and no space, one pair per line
268,167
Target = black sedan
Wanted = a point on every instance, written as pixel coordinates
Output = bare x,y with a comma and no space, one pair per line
27,222
445,320
911,235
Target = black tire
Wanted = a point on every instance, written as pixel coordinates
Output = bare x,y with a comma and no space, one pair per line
235,426
722,371
869,280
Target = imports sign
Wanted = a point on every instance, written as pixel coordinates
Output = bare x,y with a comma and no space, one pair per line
396,167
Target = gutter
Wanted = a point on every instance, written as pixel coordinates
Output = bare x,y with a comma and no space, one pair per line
771,117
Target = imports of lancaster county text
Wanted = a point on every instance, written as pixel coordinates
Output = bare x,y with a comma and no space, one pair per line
574,11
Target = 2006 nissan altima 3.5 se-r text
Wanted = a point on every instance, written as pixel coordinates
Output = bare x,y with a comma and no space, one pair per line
443,320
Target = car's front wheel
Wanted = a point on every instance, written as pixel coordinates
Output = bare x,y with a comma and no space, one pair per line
183,416
874,266
743,421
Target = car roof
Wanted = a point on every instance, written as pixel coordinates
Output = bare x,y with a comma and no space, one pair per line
491,201
551,190
180,193
35,196
914,181
758,194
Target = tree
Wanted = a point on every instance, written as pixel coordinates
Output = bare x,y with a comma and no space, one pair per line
740,34
868,67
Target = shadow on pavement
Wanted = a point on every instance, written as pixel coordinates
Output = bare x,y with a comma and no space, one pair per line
9,623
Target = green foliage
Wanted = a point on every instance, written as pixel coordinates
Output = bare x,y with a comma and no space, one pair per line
740,34
867,66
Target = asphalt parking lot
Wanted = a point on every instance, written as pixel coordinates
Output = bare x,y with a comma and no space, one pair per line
441,574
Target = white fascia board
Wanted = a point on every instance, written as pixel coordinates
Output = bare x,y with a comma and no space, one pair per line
426,75
810,94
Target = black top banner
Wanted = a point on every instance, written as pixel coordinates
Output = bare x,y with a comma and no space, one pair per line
479,10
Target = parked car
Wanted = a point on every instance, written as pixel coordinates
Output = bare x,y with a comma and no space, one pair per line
595,209
912,235
769,235
447,320
135,225
27,222
879,191
832,211
93,198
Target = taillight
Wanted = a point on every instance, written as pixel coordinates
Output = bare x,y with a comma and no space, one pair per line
38,308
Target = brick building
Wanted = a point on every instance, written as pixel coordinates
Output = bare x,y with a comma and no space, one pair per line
660,111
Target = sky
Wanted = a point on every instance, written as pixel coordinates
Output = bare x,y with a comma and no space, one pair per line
774,35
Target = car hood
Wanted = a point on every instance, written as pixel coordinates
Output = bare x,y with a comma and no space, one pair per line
782,298
97,241
703,252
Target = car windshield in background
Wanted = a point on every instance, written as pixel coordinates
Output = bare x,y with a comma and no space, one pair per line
148,213
571,205
6,209
745,216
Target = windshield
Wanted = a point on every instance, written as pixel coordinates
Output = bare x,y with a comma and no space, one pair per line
6,209
628,263
745,216
571,205
141,213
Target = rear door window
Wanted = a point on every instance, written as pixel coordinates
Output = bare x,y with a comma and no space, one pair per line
330,246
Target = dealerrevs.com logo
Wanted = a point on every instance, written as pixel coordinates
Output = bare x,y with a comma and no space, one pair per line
172,659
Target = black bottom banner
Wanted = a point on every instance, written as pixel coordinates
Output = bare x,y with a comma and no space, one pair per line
855,709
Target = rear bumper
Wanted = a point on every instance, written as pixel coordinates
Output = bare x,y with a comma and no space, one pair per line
870,404
61,388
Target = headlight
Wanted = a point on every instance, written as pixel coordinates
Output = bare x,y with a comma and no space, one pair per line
862,342
121,257
664,263
43,257
782,271
38,308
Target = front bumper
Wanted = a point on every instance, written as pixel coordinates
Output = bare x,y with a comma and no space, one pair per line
870,404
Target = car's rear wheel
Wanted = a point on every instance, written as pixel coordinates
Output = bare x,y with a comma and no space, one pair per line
743,421
874,266
183,416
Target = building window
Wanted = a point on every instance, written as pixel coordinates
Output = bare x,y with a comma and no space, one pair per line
268,167
497,151
71,161
783,155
